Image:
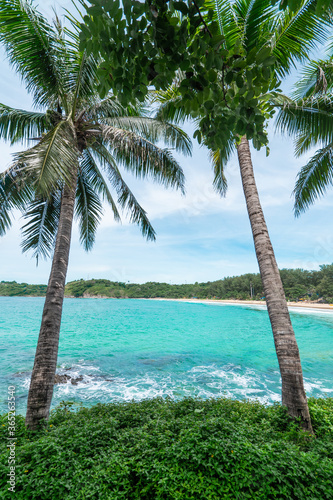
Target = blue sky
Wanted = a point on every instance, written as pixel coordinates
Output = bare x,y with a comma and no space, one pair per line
200,237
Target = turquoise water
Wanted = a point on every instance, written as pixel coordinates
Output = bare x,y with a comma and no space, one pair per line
134,349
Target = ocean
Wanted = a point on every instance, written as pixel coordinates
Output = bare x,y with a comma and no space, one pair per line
133,349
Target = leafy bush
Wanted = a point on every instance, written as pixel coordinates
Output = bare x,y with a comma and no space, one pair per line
161,449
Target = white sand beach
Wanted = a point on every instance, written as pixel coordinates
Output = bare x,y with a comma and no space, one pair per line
308,305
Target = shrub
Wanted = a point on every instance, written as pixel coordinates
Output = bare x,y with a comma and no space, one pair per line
161,449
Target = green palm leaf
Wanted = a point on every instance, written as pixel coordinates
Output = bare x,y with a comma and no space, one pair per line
111,108
310,120
52,160
40,231
63,79
170,106
258,23
96,180
313,179
143,158
88,209
155,130
15,193
226,20
219,159
317,79
33,49
81,75
251,17
5,209
18,125
126,199
296,35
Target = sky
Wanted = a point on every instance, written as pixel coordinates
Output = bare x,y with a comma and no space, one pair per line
200,236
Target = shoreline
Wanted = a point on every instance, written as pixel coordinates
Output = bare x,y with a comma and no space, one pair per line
235,302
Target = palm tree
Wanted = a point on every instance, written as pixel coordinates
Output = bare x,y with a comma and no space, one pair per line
309,118
256,25
80,143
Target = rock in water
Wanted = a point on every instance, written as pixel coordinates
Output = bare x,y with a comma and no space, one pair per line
61,379
75,381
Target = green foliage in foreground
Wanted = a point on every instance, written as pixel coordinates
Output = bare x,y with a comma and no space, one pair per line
162,449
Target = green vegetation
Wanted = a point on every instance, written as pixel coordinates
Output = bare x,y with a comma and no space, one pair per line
223,81
161,449
308,118
298,284
12,289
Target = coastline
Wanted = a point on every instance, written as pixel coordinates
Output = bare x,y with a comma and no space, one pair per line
232,302
235,302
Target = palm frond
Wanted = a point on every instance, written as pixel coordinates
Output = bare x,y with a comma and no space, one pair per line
252,16
52,160
155,130
143,158
311,118
226,20
82,68
88,209
5,209
95,178
88,79
15,193
316,80
100,151
219,159
295,35
313,179
303,143
170,106
111,108
18,125
126,199
78,78
32,48
40,231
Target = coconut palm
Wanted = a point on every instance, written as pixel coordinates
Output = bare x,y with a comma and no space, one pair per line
309,117
257,24
80,144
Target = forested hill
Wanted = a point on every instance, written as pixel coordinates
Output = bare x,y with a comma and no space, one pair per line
298,284
12,289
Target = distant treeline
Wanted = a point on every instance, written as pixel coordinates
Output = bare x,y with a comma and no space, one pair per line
12,289
298,284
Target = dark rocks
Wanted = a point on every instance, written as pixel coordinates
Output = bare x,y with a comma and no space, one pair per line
63,379
75,381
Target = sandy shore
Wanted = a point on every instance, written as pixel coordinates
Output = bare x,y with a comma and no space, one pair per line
308,305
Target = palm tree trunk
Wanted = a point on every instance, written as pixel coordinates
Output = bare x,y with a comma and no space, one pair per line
42,378
293,393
